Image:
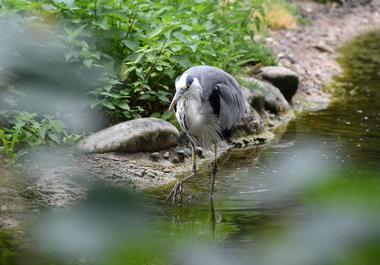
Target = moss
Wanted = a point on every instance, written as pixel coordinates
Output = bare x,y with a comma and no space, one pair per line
360,60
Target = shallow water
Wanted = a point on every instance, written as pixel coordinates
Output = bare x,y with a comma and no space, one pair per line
259,194
257,190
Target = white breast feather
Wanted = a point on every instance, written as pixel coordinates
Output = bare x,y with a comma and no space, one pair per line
200,121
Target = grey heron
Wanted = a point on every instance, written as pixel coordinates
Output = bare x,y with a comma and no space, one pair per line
208,103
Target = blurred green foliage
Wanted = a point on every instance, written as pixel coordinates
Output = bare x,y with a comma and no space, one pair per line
329,1
141,46
26,129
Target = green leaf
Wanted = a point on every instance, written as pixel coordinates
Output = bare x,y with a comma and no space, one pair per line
55,138
155,32
124,106
257,23
144,97
155,115
108,105
167,115
164,99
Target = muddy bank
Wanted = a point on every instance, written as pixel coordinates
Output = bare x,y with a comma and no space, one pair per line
310,48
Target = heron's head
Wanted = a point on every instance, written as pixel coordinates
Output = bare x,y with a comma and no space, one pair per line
183,84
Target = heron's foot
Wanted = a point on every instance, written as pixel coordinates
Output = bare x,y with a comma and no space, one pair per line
176,193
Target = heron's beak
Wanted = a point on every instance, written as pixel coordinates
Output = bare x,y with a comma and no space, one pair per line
177,95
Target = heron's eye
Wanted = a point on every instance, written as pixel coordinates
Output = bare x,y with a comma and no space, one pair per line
189,81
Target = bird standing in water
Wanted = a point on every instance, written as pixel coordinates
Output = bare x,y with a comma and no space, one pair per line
208,103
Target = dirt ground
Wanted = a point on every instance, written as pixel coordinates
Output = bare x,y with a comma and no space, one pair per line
310,48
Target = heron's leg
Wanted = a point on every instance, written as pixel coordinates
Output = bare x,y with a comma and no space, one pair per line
175,193
214,170
212,217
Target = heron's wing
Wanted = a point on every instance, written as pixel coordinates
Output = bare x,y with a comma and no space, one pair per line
222,92
227,103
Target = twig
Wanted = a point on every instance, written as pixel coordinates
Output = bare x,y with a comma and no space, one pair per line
132,21
155,61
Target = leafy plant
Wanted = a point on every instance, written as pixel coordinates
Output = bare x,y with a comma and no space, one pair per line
27,129
149,43
139,47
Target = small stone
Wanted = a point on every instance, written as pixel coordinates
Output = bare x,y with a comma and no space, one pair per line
245,141
181,155
166,155
199,151
322,47
260,140
4,208
175,160
269,40
166,170
154,156
151,175
238,143
187,151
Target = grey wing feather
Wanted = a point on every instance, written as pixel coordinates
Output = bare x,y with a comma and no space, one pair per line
232,106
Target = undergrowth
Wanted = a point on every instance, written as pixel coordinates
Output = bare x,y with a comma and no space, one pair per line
138,48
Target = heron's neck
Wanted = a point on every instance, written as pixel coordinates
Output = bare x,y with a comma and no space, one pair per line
193,95
193,106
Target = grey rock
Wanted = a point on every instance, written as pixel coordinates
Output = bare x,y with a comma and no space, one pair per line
251,123
154,156
183,139
166,155
275,102
175,160
140,135
181,155
187,151
199,151
255,98
283,78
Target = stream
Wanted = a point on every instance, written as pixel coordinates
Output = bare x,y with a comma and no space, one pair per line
266,209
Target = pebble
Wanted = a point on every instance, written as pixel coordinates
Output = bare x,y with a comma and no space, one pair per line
175,160
4,208
200,152
155,156
151,175
181,154
166,170
187,151
166,155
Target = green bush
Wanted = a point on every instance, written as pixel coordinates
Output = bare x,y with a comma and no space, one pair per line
151,43
141,46
27,129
